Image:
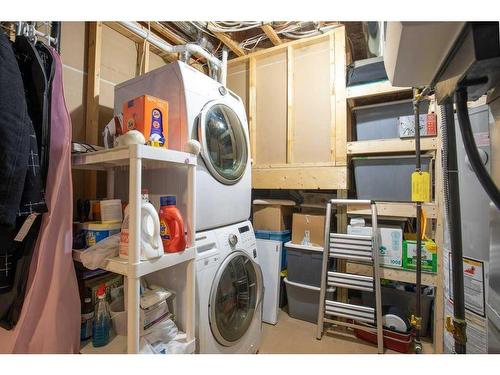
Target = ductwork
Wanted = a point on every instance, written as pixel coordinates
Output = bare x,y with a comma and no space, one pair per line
185,50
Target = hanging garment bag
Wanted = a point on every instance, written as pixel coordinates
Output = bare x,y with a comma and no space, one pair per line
17,243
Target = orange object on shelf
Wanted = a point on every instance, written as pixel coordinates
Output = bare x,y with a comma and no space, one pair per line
149,115
171,226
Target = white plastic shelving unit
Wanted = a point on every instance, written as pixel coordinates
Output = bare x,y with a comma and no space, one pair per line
137,157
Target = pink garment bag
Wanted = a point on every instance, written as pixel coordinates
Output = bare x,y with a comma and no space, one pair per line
50,318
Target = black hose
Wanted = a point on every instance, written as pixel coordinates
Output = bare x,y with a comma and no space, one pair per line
471,148
452,202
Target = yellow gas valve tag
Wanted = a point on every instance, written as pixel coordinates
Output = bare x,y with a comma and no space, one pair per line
420,186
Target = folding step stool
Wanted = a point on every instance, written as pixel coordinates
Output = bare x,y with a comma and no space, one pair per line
356,248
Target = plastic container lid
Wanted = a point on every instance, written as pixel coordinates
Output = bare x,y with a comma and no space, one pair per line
169,200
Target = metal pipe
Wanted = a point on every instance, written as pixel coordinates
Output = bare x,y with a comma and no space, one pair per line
223,72
198,50
452,200
418,286
168,48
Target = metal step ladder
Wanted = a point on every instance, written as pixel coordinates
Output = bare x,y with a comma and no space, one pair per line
355,248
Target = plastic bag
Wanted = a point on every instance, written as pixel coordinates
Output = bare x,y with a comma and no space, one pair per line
163,338
95,256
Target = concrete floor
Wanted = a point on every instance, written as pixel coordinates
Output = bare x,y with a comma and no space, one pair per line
292,336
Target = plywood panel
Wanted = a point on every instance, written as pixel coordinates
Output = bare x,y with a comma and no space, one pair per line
271,115
119,56
155,61
74,45
237,81
312,125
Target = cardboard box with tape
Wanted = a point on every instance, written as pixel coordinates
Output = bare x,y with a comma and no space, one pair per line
310,228
272,214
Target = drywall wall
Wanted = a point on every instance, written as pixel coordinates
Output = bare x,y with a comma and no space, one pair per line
311,103
118,63
237,81
271,116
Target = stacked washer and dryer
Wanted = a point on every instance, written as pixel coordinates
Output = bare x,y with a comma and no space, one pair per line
229,282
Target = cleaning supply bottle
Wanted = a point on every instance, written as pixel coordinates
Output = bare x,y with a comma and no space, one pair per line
102,319
151,244
87,319
171,226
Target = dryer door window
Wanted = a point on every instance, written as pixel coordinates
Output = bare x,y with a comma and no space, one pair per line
235,295
224,145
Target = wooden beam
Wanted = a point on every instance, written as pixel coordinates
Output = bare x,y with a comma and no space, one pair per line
92,100
233,45
290,109
388,146
165,32
252,106
337,41
134,37
142,58
277,49
271,34
293,177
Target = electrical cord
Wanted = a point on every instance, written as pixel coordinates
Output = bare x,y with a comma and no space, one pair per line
471,148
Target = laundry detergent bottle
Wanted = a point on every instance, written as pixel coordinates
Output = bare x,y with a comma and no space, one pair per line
171,226
151,244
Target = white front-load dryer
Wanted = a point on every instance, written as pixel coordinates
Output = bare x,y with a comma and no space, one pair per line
229,291
201,108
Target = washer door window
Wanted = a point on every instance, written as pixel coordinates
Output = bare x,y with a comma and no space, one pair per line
235,295
224,145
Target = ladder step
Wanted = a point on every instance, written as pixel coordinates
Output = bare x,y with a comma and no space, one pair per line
346,310
349,237
351,281
351,254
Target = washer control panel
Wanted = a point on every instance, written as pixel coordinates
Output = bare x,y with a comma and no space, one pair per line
238,236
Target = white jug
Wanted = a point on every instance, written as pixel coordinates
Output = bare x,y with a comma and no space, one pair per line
151,244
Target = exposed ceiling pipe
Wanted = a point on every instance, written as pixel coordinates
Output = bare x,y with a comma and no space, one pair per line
223,73
190,48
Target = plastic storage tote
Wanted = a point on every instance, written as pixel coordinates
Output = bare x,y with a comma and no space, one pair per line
381,121
404,301
282,236
303,300
386,178
304,264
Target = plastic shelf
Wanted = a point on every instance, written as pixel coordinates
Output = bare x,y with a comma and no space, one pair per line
153,157
122,267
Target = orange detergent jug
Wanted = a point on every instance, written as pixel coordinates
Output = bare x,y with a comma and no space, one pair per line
171,226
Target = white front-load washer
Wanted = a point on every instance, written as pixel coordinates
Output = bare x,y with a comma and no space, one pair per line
201,108
229,291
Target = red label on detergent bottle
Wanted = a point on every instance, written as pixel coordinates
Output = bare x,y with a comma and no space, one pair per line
171,226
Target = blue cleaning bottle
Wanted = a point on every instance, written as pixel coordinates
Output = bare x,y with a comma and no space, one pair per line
102,319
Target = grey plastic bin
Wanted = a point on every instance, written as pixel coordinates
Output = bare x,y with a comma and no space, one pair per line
303,300
381,121
386,178
405,301
304,264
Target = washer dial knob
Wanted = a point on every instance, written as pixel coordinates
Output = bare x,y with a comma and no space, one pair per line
233,240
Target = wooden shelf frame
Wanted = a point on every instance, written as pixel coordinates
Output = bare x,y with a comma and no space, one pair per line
330,173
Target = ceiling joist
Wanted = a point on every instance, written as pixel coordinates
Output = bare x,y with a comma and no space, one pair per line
271,34
233,45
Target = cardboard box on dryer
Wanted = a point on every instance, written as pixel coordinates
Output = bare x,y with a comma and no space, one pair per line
149,115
